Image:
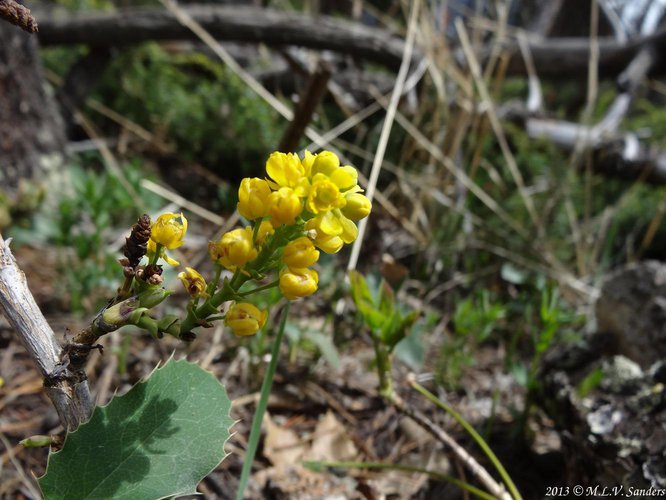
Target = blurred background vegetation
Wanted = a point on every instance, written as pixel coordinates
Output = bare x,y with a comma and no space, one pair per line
485,281
514,270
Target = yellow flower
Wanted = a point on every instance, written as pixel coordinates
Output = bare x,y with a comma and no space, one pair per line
152,248
324,195
264,231
297,283
324,163
324,242
169,230
328,164
253,198
245,319
235,249
300,253
357,207
307,162
334,223
286,170
345,177
193,282
284,206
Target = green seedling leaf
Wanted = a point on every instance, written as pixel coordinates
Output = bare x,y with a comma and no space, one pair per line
160,439
365,302
326,347
411,351
398,327
390,333
386,299
359,289
590,382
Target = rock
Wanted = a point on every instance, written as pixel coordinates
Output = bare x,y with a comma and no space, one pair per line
607,393
621,375
632,308
616,433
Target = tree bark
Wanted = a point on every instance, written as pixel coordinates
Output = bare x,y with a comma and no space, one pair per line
32,143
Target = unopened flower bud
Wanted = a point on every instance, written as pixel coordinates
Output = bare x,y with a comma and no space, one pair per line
300,253
358,206
235,249
297,283
253,198
264,231
284,206
245,319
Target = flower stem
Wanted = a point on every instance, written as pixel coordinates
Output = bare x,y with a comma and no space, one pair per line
216,281
317,466
154,258
255,431
383,361
124,291
272,284
472,432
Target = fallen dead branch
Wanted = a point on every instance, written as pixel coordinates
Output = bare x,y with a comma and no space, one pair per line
67,389
241,24
553,57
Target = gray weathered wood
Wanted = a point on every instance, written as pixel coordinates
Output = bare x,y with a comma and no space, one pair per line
67,390
553,57
241,24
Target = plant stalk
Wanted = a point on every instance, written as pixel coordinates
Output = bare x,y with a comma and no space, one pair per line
266,385
472,432
317,465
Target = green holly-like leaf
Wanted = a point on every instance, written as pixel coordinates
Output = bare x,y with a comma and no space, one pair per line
160,439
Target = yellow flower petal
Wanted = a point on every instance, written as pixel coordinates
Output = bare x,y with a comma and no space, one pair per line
169,230
329,224
253,198
245,319
300,253
297,283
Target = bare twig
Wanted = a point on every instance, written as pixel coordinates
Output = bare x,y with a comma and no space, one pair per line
237,23
312,95
67,388
553,58
475,69
477,470
386,128
19,15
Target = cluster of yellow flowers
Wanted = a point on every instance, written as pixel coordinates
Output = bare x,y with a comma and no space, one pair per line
303,206
324,194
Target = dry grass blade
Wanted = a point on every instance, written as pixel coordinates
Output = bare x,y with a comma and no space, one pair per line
342,127
25,480
255,86
535,96
109,160
463,178
174,197
487,101
386,128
